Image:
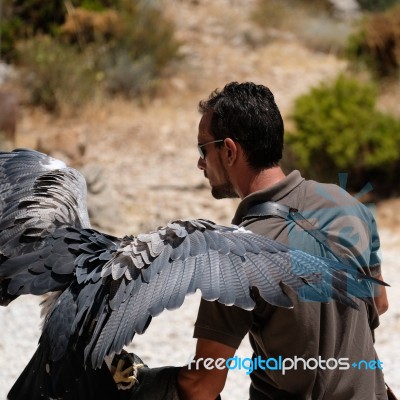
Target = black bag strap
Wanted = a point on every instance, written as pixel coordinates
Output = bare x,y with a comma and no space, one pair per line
267,209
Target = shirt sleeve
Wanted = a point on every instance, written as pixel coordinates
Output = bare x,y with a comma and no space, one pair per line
224,324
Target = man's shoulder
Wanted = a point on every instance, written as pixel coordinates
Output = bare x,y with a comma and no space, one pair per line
307,191
330,195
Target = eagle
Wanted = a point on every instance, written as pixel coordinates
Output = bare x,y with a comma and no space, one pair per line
105,289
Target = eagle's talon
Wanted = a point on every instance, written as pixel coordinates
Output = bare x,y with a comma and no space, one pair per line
124,375
126,378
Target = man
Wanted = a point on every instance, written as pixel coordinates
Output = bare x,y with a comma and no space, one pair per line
240,142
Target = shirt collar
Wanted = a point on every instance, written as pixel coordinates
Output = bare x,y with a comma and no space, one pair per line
275,192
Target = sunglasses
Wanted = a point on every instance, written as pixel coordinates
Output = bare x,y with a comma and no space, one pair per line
203,152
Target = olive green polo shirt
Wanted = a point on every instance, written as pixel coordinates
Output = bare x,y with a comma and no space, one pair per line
330,334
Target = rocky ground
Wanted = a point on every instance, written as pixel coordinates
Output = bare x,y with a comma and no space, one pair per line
142,163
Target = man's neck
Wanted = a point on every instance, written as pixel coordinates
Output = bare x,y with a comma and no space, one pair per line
261,180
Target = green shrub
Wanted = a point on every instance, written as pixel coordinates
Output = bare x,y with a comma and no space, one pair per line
136,29
44,16
376,44
55,74
39,16
129,78
123,50
83,27
9,28
8,31
149,34
339,129
376,5
95,5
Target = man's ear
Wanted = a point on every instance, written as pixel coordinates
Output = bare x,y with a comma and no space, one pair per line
231,151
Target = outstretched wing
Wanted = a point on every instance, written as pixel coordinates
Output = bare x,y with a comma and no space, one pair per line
38,195
113,287
117,292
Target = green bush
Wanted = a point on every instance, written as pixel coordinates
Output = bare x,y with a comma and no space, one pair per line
21,19
130,47
119,51
55,74
148,34
376,5
9,28
39,16
339,129
84,27
44,16
95,5
129,78
376,44
8,31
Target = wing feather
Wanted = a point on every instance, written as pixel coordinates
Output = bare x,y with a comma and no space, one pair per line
209,277
226,278
240,285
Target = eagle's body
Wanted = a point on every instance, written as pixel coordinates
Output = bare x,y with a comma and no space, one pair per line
110,288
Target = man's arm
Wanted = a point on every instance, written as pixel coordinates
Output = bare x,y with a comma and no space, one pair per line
199,381
381,300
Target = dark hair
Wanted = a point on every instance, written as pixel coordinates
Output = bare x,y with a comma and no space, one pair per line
247,113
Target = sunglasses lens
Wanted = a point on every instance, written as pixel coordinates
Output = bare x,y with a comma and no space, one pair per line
201,152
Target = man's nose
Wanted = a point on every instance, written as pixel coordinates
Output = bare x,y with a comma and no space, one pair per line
201,164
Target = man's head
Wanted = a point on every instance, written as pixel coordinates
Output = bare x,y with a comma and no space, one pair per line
247,113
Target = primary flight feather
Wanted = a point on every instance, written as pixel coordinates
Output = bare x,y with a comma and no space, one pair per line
109,288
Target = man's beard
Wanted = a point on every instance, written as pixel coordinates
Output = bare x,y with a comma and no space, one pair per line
224,191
